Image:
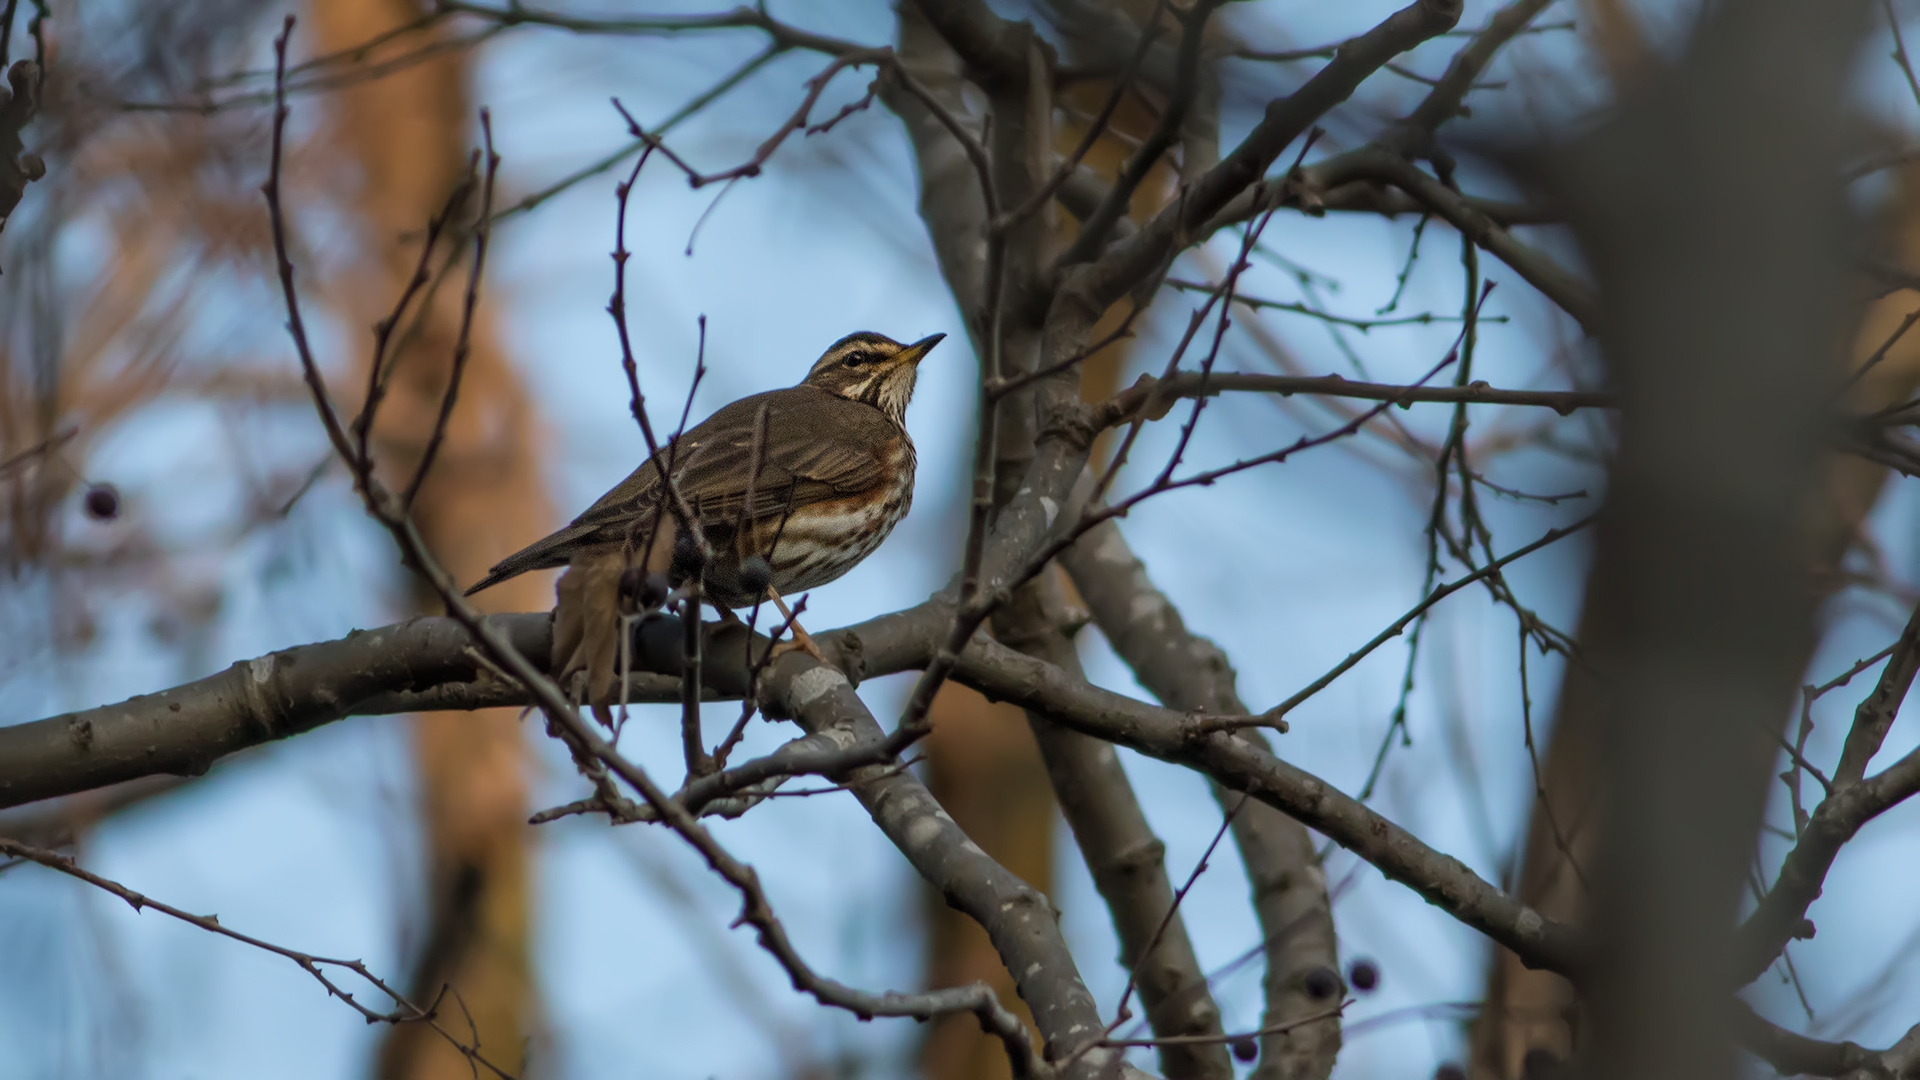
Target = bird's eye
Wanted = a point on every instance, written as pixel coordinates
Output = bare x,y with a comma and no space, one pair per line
858,358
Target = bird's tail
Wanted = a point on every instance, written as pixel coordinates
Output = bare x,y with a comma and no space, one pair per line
494,577
541,555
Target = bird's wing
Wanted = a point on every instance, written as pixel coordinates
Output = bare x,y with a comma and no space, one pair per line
813,450
817,447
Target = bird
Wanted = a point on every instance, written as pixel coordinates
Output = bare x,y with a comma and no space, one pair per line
791,488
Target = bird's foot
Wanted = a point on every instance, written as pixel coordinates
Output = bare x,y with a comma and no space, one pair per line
801,642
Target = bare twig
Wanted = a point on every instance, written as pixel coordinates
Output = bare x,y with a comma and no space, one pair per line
404,1011
482,232
1190,385
1393,630
379,369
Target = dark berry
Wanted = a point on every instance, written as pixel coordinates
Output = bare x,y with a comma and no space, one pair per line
103,502
1321,983
1364,975
654,591
643,590
1449,1070
686,555
755,575
1244,1048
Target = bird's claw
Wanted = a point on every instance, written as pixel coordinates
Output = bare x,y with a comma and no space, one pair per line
800,643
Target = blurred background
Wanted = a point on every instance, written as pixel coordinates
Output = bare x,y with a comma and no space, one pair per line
141,340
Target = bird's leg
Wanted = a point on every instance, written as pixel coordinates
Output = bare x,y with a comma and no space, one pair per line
800,639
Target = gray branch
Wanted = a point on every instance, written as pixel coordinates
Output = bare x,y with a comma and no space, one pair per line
1188,673
211,721
951,203
1125,858
1797,1055
1235,762
184,730
1855,799
1018,919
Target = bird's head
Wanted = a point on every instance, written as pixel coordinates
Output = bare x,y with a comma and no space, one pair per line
872,368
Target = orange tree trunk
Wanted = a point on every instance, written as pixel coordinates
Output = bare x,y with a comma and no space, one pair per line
409,134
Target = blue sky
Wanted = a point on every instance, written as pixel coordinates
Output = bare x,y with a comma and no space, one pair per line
309,843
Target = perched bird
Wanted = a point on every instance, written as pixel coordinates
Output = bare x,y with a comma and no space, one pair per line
809,479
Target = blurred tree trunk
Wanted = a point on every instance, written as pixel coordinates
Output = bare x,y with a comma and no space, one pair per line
409,134
1534,1014
984,768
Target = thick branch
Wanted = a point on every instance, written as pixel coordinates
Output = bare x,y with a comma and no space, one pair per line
1443,102
420,650
995,49
1125,858
1234,761
1188,672
952,206
1797,1055
424,663
1285,120
186,729
1020,922
1066,429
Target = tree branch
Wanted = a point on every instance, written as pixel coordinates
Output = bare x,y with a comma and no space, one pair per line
1797,1055
1442,103
994,49
403,1012
1235,762
1019,921
1285,120
414,653
952,204
1190,673
1194,384
1125,858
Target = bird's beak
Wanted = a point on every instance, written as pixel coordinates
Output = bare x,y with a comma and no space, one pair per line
917,351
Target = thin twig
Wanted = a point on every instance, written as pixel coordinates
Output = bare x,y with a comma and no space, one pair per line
1900,50
483,231
1173,910
379,369
1880,353
1432,598
404,1011
1093,231
1097,126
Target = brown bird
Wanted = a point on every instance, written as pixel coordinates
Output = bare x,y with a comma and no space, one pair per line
810,478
